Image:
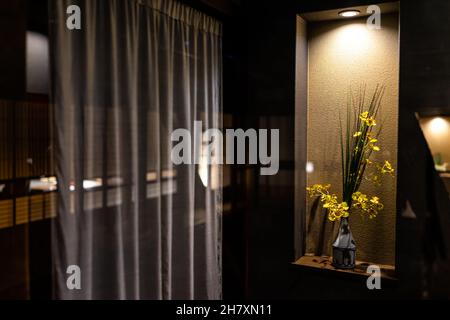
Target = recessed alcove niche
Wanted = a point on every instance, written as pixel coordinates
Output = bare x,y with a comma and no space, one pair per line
335,54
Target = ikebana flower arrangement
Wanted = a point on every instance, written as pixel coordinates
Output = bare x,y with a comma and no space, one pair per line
359,142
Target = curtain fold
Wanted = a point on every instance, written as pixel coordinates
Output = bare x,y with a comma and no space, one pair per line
138,226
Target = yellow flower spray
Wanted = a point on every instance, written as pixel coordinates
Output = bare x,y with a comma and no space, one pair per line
358,142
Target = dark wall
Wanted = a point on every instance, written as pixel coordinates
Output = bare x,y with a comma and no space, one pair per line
271,93
25,269
423,243
267,63
12,54
13,241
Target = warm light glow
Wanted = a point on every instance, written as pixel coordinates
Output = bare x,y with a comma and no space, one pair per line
309,167
437,134
439,125
88,184
203,171
353,41
43,184
349,13
209,173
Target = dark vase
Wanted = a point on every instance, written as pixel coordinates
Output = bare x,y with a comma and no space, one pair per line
344,247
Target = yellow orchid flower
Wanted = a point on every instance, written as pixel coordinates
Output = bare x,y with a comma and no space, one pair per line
375,200
387,168
370,122
364,115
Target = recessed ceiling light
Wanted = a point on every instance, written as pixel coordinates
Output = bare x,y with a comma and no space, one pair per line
349,13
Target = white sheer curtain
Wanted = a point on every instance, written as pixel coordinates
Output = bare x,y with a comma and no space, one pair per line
138,226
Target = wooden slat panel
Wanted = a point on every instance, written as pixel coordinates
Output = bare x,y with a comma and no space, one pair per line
22,210
50,205
37,208
6,151
6,214
32,135
21,143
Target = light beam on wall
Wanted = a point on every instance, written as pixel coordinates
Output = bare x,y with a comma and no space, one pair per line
353,40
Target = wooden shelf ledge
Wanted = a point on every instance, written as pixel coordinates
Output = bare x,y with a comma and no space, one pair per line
325,263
